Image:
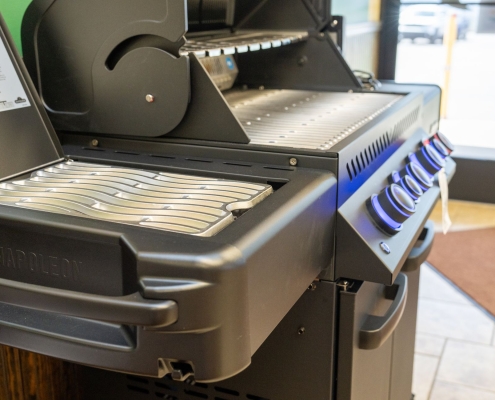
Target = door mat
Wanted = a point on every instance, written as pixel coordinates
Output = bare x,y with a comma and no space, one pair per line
467,258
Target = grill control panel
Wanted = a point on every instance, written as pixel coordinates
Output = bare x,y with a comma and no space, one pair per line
397,202
381,222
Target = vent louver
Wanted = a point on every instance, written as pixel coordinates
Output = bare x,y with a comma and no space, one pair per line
166,388
366,157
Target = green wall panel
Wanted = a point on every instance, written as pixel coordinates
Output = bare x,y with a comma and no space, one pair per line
353,11
13,11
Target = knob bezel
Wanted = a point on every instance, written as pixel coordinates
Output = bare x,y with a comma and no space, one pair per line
428,158
440,148
388,210
415,171
444,140
411,186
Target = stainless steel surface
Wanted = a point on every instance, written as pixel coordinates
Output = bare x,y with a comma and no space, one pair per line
305,119
173,202
240,42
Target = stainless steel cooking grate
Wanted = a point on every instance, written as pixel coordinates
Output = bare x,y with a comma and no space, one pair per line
173,202
304,119
241,42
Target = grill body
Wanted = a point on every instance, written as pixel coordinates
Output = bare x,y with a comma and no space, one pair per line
267,278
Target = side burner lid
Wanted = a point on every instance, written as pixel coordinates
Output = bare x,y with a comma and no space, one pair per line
27,138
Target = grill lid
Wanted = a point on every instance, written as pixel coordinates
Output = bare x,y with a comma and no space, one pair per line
27,138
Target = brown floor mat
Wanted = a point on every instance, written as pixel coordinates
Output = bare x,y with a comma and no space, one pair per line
467,258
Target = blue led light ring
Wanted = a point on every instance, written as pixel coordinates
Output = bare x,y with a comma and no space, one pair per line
422,175
440,148
383,215
429,158
418,179
409,191
413,185
395,206
415,160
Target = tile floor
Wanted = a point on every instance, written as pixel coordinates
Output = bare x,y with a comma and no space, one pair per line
455,343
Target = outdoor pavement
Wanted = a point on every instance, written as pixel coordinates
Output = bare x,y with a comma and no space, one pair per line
471,104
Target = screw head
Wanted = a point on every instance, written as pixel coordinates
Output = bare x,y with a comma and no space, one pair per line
95,143
302,61
150,98
312,287
293,161
385,248
335,23
301,330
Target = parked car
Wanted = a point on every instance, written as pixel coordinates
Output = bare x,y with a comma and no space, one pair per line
429,21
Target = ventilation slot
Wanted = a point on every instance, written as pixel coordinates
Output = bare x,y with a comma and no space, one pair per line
138,389
169,389
403,125
196,394
359,163
227,391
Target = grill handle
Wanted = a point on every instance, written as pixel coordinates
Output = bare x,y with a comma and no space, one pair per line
127,310
418,254
376,330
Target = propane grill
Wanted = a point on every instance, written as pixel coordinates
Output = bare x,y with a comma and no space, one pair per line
217,209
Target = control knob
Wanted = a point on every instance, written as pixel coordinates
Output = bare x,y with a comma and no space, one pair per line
391,208
428,158
440,148
440,137
413,170
411,187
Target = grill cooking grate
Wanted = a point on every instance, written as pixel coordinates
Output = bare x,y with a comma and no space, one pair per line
161,200
304,119
240,42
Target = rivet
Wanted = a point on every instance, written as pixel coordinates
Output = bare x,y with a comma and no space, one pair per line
312,287
301,330
150,98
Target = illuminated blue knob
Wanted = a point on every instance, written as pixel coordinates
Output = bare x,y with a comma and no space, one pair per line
428,158
422,178
391,208
411,187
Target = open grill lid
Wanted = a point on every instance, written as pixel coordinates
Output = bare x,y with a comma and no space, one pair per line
27,138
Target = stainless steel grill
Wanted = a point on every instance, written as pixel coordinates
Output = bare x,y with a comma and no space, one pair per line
305,119
173,202
241,42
